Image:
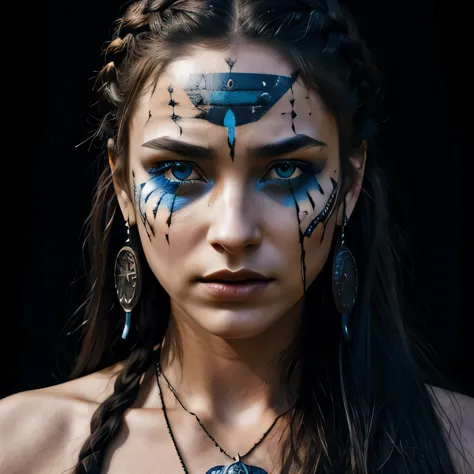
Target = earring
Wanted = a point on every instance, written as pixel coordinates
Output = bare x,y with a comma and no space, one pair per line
127,280
344,281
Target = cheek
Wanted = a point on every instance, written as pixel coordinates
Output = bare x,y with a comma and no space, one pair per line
169,262
317,249
281,229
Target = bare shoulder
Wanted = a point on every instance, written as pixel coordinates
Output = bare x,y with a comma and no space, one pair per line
456,412
43,430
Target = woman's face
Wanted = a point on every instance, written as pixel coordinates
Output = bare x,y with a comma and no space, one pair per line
232,171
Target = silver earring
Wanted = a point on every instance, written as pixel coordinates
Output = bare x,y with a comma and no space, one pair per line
127,280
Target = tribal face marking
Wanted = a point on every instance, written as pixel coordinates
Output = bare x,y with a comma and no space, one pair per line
149,117
162,190
322,217
234,99
173,104
230,63
297,191
292,102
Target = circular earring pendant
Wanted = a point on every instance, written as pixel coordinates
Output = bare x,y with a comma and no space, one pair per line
127,278
344,281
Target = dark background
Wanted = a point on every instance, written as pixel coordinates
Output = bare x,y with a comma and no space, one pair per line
422,140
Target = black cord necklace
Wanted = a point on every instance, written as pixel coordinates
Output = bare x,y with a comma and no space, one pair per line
237,467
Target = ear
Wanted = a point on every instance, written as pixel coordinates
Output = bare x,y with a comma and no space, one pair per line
354,186
125,201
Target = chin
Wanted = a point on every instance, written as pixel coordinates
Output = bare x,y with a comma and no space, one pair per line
236,323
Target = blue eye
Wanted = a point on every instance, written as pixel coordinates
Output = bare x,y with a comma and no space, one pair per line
285,170
179,170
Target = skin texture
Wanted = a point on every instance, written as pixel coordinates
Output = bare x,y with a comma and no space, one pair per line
240,212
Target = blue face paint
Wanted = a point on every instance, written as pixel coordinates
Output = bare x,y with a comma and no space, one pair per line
166,191
229,122
301,184
249,96
234,99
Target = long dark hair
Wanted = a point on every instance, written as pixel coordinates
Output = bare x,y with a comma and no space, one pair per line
362,406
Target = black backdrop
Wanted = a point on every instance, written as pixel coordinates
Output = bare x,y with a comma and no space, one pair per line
421,140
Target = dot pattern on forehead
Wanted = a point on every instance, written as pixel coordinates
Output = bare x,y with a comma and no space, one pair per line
292,102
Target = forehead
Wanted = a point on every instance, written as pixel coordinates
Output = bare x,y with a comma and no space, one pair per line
198,86
244,57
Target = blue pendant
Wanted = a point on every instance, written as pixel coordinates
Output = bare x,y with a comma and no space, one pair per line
236,468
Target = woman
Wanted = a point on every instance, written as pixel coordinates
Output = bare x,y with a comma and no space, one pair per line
259,328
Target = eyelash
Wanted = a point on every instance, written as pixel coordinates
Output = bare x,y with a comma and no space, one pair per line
306,167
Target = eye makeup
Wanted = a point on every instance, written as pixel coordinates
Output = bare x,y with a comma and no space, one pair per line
160,191
166,177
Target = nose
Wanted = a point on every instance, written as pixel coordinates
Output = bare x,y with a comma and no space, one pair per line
234,223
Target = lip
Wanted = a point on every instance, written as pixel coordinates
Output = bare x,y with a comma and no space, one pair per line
233,291
227,276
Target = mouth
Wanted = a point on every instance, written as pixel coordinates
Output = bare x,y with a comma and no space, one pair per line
244,275
237,282
226,290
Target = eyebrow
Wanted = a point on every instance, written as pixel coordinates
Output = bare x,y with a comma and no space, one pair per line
282,147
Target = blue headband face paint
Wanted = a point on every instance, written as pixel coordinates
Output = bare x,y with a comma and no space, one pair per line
247,96
234,99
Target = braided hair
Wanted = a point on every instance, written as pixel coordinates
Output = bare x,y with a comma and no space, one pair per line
347,418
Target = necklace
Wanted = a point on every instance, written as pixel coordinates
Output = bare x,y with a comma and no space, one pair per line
237,467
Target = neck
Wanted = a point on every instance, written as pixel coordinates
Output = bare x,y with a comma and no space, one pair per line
229,379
